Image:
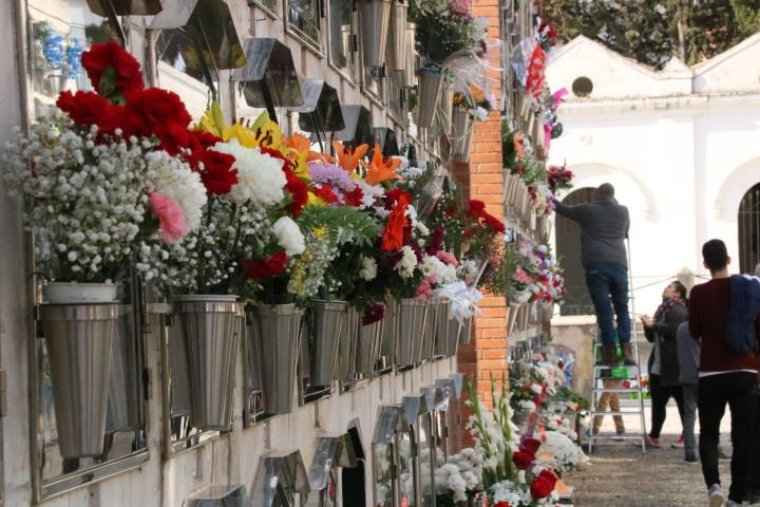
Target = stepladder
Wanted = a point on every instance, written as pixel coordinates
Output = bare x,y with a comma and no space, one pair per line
620,388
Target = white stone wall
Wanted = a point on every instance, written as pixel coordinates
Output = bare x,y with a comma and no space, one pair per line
680,160
229,459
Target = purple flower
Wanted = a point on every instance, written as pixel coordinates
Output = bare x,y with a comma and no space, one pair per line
332,175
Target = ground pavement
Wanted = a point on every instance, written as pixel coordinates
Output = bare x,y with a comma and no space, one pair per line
621,476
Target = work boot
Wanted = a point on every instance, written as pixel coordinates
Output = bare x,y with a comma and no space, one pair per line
628,358
610,356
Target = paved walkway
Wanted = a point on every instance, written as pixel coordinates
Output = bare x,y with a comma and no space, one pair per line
620,475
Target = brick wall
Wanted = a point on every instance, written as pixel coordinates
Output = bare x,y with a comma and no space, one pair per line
482,179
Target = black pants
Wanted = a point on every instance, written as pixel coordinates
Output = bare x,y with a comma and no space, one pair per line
737,389
755,480
660,396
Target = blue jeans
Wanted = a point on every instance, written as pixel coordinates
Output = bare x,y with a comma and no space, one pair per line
607,281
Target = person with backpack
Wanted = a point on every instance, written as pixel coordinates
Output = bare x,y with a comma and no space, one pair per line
720,314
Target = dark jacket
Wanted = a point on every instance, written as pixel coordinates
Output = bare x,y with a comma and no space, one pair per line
604,227
745,304
688,355
663,332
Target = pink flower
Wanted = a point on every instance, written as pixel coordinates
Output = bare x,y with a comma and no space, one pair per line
461,7
447,258
170,217
521,276
425,289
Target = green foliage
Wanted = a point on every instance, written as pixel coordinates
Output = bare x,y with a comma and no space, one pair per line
346,224
652,31
504,260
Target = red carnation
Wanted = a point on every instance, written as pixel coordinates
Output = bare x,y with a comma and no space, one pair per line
217,174
354,197
261,269
155,111
113,72
299,193
475,208
373,314
503,503
494,223
392,197
530,445
89,108
325,193
523,460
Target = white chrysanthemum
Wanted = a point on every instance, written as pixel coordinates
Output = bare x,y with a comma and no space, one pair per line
260,176
289,236
443,273
368,270
405,266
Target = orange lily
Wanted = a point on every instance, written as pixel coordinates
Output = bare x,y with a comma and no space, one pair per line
348,159
301,144
381,169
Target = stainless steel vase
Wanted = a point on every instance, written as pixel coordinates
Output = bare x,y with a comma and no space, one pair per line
124,387
429,94
411,315
277,331
368,349
211,326
461,132
348,344
79,340
390,333
374,16
397,37
327,319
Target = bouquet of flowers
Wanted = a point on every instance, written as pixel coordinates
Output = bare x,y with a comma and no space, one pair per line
559,178
106,177
445,29
559,452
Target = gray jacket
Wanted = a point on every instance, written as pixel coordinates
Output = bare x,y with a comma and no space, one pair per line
688,355
604,227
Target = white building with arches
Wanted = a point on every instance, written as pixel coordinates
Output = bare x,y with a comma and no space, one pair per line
680,145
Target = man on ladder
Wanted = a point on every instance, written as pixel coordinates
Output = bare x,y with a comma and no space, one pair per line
604,228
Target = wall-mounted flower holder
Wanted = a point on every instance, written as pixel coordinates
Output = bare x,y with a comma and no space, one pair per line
368,348
358,126
412,319
410,64
203,32
418,421
328,319
386,138
389,337
332,453
397,46
374,17
429,95
219,496
321,110
389,428
280,480
269,76
462,128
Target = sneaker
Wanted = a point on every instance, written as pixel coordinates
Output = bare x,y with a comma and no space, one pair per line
691,458
654,443
715,494
678,444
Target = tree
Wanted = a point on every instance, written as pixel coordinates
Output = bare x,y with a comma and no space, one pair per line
652,31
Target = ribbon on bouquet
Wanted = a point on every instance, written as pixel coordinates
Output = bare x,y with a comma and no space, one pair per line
464,300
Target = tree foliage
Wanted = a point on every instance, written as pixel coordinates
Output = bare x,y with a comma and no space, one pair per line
652,31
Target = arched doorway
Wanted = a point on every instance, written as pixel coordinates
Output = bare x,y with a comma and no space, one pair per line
749,230
568,234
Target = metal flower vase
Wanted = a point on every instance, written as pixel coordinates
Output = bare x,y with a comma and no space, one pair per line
374,17
327,318
466,331
411,318
211,326
431,325
397,37
462,128
348,344
429,91
446,107
445,327
389,334
79,340
513,312
410,63
277,332
368,349
123,412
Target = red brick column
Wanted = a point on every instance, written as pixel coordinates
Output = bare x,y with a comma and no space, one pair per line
483,179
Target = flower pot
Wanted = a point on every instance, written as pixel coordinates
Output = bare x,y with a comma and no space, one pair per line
211,326
446,107
79,293
445,327
348,343
546,310
513,312
465,331
431,324
123,398
326,325
429,94
374,16
277,332
411,317
368,350
410,63
397,37
462,128
79,340
390,333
